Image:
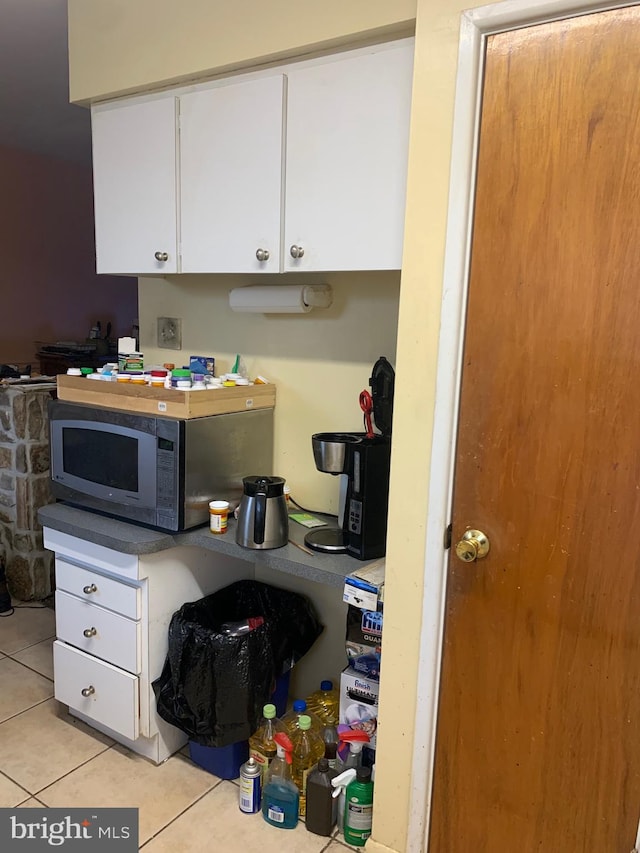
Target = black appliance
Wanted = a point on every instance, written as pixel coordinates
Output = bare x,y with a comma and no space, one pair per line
364,461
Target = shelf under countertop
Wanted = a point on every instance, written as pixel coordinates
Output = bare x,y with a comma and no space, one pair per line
329,569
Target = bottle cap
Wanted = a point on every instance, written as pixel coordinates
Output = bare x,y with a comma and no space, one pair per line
323,765
269,711
304,723
326,685
299,706
363,774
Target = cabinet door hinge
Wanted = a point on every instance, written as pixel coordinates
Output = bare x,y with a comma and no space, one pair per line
447,537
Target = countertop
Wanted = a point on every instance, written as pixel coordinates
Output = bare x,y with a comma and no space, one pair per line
329,569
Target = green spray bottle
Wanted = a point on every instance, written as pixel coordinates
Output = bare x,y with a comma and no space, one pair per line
358,808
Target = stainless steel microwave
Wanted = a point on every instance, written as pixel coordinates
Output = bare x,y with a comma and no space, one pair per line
157,471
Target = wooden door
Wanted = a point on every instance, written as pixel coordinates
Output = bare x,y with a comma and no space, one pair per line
231,177
538,741
134,185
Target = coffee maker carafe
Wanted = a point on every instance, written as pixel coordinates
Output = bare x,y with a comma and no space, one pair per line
363,461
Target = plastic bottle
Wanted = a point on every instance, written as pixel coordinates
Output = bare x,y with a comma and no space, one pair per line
325,703
250,787
237,629
340,784
358,810
308,749
330,738
280,796
322,808
290,719
262,744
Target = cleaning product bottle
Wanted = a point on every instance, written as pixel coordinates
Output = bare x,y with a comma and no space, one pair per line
308,749
355,741
358,809
280,796
322,808
290,719
262,745
340,784
325,703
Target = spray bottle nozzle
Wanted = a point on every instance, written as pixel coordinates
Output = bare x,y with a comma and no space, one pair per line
341,781
283,742
353,736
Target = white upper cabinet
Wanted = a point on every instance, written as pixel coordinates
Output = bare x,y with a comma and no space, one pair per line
297,168
231,177
346,164
134,173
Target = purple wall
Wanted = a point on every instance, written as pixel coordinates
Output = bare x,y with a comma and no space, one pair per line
49,290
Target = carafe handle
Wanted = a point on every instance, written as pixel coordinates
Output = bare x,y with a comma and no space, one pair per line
260,516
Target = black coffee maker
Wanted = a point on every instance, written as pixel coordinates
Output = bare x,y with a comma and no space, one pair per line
363,460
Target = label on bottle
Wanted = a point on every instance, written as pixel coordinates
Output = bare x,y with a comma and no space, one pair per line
359,818
249,794
276,814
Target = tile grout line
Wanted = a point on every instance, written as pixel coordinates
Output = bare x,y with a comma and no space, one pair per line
184,811
26,665
25,710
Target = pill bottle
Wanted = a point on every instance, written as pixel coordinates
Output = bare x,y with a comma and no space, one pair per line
218,516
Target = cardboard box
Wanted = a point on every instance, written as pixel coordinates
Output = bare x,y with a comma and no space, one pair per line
359,703
363,641
365,587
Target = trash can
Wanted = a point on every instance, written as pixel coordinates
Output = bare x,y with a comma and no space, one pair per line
214,685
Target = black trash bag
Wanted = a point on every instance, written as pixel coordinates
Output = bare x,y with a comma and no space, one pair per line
214,686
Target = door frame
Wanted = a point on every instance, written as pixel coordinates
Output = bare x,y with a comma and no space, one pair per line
475,27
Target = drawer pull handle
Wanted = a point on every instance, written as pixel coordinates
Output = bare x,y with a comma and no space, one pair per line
88,691
89,589
89,632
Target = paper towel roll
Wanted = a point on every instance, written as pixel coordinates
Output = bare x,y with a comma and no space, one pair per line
276,299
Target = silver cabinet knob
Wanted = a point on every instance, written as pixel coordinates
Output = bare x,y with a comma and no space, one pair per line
296,251
161,256
88,691
89,589
262,254
89,632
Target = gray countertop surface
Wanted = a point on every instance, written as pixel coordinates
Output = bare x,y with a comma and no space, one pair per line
329,569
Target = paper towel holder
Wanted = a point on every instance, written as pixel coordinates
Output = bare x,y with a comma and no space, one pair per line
280,299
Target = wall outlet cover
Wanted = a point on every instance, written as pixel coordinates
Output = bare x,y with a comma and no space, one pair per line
169,333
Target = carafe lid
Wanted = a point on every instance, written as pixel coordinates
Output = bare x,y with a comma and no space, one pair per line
382,384
259,484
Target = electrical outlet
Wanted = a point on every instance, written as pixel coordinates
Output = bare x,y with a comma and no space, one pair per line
169,333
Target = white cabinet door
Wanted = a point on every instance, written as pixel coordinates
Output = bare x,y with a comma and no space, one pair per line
134,174
346,167
231,177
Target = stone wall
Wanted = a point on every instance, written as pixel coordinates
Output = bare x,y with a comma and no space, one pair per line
24,488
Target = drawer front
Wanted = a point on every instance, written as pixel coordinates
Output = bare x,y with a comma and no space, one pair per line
90,554
98,589
99,632
110,695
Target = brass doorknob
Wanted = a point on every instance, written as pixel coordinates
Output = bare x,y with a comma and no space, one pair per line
473,546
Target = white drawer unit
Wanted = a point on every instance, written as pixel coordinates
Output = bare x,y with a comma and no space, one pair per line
100,589
97,689
99,632
112,618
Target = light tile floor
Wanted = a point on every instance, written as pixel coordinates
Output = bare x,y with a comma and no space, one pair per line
48,758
